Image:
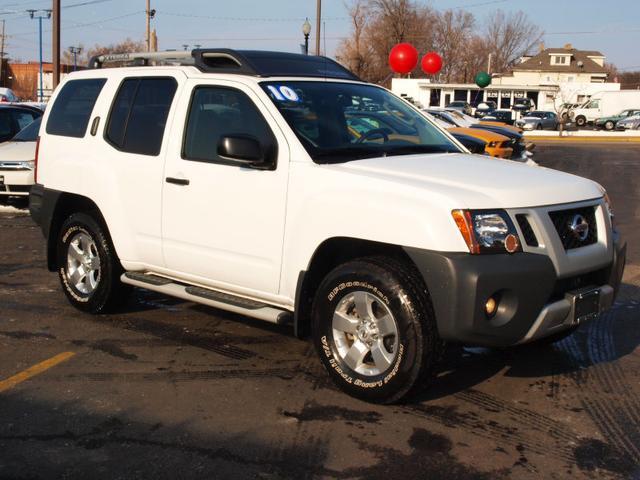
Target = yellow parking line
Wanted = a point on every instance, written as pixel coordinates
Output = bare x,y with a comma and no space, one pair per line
35,370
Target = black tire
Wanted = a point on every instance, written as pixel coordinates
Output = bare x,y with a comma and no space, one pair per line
539,127
581,121
418,348
609,125
108,292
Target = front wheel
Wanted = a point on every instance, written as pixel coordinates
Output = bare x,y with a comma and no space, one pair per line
88,267
609,125
581,121
375,330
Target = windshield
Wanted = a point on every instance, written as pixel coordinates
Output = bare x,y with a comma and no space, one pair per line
536,114
28,133
338,122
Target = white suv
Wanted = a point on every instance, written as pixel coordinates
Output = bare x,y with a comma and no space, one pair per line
245,181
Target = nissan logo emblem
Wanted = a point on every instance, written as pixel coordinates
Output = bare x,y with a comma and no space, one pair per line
579,227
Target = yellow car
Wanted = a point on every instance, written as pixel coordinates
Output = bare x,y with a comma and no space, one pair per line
496,145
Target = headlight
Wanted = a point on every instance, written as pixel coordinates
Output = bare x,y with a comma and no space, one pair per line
607,202
487,231
492,144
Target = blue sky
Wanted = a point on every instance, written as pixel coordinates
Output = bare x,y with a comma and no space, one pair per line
612,27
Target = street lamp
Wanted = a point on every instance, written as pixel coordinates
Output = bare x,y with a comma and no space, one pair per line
75,51
40,14
306,30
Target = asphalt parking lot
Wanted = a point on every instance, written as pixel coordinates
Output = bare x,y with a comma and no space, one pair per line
169,389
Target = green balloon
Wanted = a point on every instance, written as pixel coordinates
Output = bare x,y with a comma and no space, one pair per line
483,79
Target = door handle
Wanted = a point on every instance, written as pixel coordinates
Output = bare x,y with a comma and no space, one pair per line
177,181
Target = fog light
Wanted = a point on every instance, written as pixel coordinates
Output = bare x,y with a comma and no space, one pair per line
490,307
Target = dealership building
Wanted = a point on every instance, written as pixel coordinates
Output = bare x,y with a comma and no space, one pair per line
550,78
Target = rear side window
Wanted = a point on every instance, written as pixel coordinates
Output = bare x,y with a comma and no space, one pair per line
72,109
139,114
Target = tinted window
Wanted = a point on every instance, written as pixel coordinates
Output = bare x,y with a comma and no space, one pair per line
6,124
71,111
139,114
216,112
29,133
23,118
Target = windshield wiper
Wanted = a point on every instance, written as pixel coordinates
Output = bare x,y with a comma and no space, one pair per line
345,154
411,149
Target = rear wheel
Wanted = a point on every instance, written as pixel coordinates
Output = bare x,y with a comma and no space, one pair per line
608,125
539,127
581,121
88,267
374,329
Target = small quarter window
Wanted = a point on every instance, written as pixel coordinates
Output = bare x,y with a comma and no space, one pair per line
139,114
72,108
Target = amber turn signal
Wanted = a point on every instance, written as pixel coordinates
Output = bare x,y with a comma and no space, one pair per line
465,225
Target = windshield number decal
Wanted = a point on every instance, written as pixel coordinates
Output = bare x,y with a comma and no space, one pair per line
283,93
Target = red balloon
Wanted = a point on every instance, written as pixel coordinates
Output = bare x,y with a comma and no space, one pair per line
403,58
431,63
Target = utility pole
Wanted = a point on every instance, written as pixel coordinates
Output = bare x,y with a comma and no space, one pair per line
55,45
75,51
150,14
40,14
318,17
2,54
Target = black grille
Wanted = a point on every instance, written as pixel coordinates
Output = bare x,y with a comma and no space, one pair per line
563,220
529,237
590,279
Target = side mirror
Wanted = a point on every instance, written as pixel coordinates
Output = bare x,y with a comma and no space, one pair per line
244,149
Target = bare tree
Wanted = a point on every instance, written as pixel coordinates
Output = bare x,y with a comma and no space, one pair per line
509,36
377,25
452,35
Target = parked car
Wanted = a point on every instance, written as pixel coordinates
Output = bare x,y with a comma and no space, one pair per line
17,158
463,107
14,118
523,104
473,144
234,181
485,108
497,145
503,116
7,95
538,120
609,123
629,123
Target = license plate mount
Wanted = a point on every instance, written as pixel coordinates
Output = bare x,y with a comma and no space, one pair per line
586,304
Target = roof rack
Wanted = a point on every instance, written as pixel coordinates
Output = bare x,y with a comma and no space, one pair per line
245,62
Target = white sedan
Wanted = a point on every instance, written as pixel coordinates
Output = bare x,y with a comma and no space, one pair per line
17,159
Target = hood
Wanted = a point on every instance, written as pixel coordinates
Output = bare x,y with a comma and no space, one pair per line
478,181
17,151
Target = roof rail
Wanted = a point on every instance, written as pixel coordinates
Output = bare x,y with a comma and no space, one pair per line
245,62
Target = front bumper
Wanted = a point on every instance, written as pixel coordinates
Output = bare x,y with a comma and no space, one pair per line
533,301
16,182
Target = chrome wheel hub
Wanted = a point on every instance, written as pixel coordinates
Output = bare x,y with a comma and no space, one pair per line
83,263
365,333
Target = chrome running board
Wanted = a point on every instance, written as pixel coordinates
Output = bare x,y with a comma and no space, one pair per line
207,296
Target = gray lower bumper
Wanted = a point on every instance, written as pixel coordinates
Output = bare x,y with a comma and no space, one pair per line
533,303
